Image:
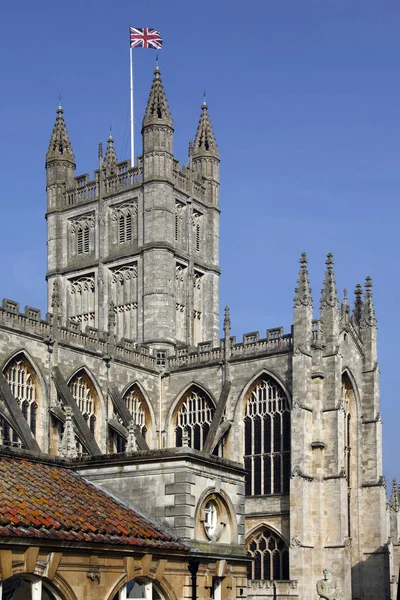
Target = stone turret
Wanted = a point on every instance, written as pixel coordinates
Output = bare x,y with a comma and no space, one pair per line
60,162
157,131
110,159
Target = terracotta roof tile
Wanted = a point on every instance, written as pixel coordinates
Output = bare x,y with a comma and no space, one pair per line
52,502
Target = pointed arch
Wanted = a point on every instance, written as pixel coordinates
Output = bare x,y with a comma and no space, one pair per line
87,394
239,407
27,385
350,405
270,553
346,371
191,416
265,411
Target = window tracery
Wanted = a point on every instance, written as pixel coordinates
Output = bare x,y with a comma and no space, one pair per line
179,225
81,231
270,556
180,299
193,419
84,394
123,293
124,217
22,380
82,300
197,306
267,439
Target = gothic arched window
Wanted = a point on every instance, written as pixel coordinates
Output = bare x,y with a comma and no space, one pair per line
193,419
270,556
136,404
84,394
22,380
350,441
267,439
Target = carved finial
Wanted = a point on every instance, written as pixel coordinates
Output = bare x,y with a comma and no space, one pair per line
111,316
55,296
303,291
110,159
345,307
68,447
131,444
329,297
358,304
59,102
227,322
368,311
394,500
185,438
100,152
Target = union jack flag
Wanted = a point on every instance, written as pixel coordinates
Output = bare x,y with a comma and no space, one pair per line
145,38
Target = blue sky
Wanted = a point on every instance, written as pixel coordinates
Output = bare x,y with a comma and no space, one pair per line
304,100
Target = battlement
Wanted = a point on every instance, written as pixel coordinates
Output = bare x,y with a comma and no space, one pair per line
129,351
127,177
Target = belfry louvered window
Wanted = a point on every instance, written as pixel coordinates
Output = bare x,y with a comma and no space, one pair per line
270,557
193,419
267,439
83,239
125,227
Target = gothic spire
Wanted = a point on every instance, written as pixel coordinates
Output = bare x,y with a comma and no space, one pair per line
368,311
303,291
329,297
110,159
204,142
60,146
157,110
358,304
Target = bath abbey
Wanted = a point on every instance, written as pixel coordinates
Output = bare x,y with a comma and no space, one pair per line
144,456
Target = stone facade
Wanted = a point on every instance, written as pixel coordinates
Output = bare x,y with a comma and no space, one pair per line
131,342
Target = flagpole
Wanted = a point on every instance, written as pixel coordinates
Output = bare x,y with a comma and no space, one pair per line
132,111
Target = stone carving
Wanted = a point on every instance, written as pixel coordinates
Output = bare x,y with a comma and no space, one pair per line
329,588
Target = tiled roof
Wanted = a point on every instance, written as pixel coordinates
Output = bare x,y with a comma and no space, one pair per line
44,500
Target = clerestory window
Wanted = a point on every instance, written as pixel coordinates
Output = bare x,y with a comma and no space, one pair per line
267,439
193,419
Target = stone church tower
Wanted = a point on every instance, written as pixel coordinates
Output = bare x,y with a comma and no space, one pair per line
269,447
142,241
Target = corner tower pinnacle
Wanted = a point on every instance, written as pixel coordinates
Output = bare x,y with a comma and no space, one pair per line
204,155
157,110
60,145
204,142
60,162
157,132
